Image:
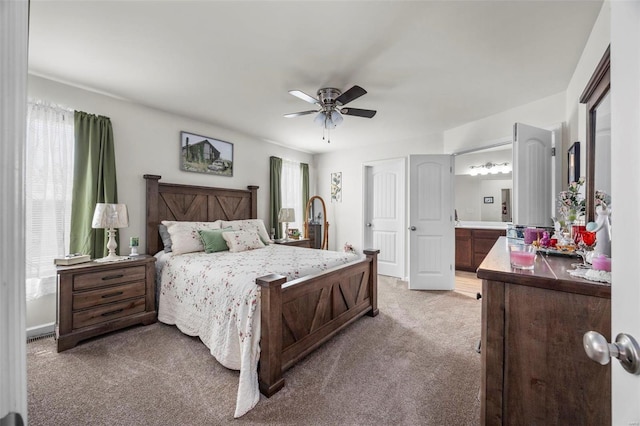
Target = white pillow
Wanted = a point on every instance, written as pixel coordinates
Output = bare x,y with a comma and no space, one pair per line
250,225
238,241
185,237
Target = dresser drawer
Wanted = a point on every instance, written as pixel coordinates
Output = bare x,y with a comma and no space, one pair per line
108,277
87,299
108,312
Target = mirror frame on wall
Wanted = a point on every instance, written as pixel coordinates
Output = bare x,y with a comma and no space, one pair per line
597,88
325,224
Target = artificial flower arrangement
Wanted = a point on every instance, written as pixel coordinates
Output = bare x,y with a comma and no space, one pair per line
603,199
571,203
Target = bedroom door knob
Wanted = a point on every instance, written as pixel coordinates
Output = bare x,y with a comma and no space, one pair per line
625,348
368,225
412,228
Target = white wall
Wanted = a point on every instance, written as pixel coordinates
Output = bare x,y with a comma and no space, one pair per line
498,127
345,218
147,141
574,111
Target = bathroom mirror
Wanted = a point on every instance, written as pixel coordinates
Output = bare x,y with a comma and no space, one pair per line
484,185
598,104
316,227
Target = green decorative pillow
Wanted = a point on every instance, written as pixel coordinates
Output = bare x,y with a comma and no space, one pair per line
212,240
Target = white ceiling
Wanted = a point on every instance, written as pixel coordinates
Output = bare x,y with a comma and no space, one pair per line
428,66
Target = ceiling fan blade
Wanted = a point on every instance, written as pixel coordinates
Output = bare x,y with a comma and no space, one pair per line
354,93
367,113
304,96
298,114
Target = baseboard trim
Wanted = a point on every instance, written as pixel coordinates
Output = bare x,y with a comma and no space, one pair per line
40,331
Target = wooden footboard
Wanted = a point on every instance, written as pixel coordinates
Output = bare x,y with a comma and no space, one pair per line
299,316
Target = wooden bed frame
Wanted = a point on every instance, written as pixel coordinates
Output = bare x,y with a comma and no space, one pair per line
296,316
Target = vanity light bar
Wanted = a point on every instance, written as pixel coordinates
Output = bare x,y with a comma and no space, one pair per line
490,168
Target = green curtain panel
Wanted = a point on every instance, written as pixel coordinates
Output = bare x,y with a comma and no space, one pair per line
94,181
275,195
304,172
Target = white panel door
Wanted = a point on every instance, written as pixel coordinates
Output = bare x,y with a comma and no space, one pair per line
431,235
532,176
14,33
384,215
625,175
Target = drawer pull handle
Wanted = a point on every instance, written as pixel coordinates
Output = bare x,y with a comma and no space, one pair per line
117,293
108,314
112,277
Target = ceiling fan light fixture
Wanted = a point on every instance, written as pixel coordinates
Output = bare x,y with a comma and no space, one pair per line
320,119
329,124
330,100
336,117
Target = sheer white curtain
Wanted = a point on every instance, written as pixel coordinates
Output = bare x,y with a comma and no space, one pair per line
48,183
291,188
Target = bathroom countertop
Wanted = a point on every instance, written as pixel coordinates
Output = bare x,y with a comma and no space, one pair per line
481,225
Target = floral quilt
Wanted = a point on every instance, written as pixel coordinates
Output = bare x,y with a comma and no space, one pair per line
214,296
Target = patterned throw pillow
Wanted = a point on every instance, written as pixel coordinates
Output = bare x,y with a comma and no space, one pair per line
166,238
238,241
185,237
213,241
252,225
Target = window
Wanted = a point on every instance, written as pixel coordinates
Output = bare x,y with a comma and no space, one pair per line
291,188
48,185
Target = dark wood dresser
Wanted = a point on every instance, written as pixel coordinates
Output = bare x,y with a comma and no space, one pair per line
472,246
534,368
315,235
96,298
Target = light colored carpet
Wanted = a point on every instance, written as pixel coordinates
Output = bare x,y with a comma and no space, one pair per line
414,364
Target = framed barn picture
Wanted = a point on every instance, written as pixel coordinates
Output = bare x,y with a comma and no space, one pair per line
203,154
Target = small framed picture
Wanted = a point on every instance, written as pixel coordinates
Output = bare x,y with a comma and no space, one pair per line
488,200
203,154
573,163
336,187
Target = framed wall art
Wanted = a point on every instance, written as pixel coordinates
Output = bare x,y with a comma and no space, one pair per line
488,200
573,163
336,187
203,154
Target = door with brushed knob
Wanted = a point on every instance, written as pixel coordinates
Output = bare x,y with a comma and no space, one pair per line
625,157
384,214
431,226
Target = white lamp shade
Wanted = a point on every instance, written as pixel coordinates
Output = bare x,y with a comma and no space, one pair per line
319,119
110,216
336,117
328,120
287,215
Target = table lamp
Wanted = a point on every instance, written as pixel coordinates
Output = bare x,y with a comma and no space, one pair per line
110,216
286,215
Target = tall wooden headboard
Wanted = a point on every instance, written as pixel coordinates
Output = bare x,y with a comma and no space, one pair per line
171,201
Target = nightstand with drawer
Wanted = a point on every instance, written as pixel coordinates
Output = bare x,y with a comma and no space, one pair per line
97,298
301,242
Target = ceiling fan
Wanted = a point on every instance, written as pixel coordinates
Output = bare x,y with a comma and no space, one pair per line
331,102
